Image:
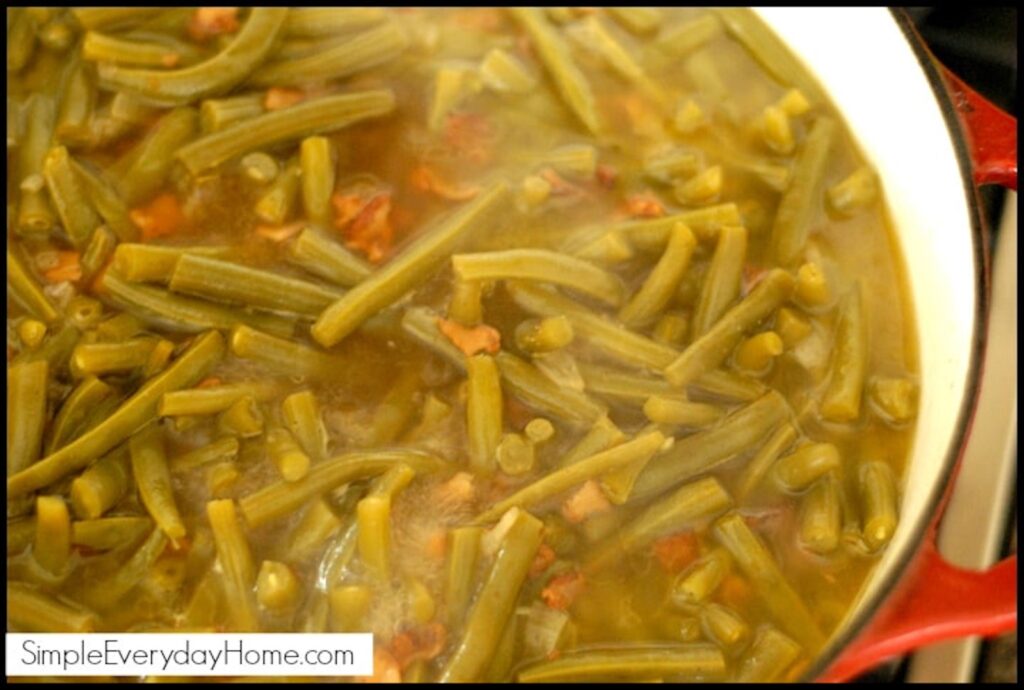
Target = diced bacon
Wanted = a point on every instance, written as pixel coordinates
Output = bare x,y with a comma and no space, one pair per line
457,491
426,179
280,97
469,136
586,501
734,591
370,229
209,22
67,267
562,590
210,382
606,175
160,217
644,205
676,551
542,561
422,643
559,185
471,340
435,544
279,233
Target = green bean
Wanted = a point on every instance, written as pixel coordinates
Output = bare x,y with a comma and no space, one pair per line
855,192
174,312
324,22
410,268
284,356
758,467
58,34
349,606
31,333
35,217
211,77
460,580
541,265
310,117
217,113
283,498
601,436
276,205
603,334
879,497
84,312
144,169
291,462
661,283
33,611
538,391
355,54
764,46
51,549
610,248
729,386
261,167
75,411
222,450
483,412
639,20
722,281
893,399
700,452
302,415
711,349
821,516
235,558
102,486
800,201
702,72
373,519
15,123
692,662
663,410
570,82
97,252
777,595
120,327
515,454
77,102
153,478
464,306
503,73
420,323
396,409
323,257
99,47
312,530
622,387
543,335
316,158
698,582
24,288
154,263
842,399
768,658
594,35
724,627
800,469
499,669
21,39
20,533
105,534
56,349
104,593
277,588
643,446
98,359
219,280
76,213
686,38
113,17
243,418
106,200
690,503
653,235
26,414
495,602
190,367
671,329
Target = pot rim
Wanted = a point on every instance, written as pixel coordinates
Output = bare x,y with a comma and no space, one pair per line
938,493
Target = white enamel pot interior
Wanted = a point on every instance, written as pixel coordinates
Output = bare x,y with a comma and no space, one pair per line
871,72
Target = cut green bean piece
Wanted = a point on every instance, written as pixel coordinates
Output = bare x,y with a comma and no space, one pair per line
692,662
106,200
543,266
662,410
21,39
283,498
302,415
208,78
312,531
26,414
99,47
325,22
483,412
671,329
594,35
224,281
711,349
842,399
222,450
35,216
51,549
602,333
601,436
396,409
722,281
768,658
74,413
410,268
687,505
235,558
174,312
893,399
97,359
726,385
243,418
622,387
23,286
700,580
758,467
535,389
643,446
757,563
30,610
55,350
796,209
879,498
355,54
544,335
323,257
154,263
316,158
660,285
821,516
700,452
855,192
153,478
553,52
291,462
515,455
105,593
494,604
98,252
277,587
187,370
147,166
686,38
315,116
113,17
800,469
639,20
504,73
460,580
77,215
102,486
212,399
724,627
217,113
77,101
109,533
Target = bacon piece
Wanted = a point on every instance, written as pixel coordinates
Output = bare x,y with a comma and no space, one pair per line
644,205
542,561
426,179
471,340
586,501
68,267
210,22
280,97
676,551
160,217
562,590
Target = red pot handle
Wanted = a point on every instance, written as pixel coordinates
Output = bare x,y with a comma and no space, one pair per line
938,601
